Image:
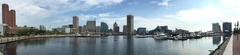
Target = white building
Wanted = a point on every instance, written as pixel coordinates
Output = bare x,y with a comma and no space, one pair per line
1,30
42,27
67,30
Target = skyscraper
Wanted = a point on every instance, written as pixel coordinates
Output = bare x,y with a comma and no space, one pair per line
115,27
5,13
75,24
125,29
227,27
13,20
41,27
216,28
98,28
130,24
104,27
9,19
91,26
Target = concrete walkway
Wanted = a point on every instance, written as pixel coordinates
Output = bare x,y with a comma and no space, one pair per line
229,50
236,44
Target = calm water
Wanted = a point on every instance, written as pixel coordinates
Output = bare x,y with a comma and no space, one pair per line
111,45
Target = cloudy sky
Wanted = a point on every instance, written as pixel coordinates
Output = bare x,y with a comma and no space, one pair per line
194,15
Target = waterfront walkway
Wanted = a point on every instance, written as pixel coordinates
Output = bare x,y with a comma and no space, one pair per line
220,49
228,50
13,39
236,44
233,47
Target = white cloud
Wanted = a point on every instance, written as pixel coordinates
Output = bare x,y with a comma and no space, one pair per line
105,2
33,12
164,3
202,18
104,15
231,3
37,12
197,14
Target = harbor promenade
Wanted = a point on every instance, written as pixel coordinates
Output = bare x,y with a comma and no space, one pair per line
229,49
13,39
233,47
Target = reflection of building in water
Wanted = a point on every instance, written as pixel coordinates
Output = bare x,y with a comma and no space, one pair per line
115,45
130,48
8,49
225,37
103,46
75,46
216,39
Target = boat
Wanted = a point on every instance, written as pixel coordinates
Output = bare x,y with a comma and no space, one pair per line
141,36
160,36
179,37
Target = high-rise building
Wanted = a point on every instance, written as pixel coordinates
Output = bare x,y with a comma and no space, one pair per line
5,13
91,26
216,28
124,29
115,27
104,27
227,27
12,22
70,26
130,24
98,28
9,19
42,27
1,30
84,28
80,29
75,24
141,31
67,30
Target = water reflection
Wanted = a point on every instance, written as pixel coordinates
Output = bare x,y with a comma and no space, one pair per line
130,43
30,42
75,46
111,45
103,46
216,40
226,36
115,45
9,48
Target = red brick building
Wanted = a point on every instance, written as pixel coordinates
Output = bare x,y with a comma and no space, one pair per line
9,19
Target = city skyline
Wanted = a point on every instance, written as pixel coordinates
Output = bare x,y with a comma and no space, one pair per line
191,15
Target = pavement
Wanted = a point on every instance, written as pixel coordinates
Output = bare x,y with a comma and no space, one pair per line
236,44
228,49
233,47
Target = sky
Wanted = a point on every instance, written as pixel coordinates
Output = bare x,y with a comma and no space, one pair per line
193,15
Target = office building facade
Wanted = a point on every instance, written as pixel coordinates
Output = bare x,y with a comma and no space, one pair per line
104,27
130,24
216,28
115,27
9,19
